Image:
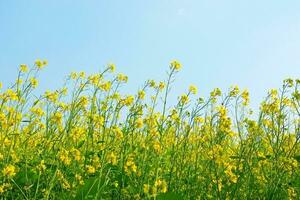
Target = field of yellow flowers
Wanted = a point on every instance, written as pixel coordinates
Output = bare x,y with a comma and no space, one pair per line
88,141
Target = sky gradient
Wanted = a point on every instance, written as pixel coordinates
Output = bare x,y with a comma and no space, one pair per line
255,44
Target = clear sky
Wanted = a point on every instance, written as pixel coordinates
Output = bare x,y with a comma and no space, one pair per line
255,44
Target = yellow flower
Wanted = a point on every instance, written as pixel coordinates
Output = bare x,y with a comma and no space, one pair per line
51,96
64,157
146,188
90,169
222,111
96,162
157,183
152,83
34,82
245,97
57,117
234,91
289,82
2,189
175,65
9,171
161,85
79,179
130,166
1,85
184,99
118,132
193,89
106,86
122,78
199,119
219,184
273,93
23,68
156,146
42,166
216,92
292,194
161,185
73,75
112,158
11,94
45,62
76,154
37,111
129,100
40,64
19,81
134,168
229,172
164,187
82,74
141,94
84,101
139,123
112,67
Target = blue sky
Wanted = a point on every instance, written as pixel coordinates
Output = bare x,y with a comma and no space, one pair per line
255,44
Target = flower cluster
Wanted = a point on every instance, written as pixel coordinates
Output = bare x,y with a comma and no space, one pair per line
87,140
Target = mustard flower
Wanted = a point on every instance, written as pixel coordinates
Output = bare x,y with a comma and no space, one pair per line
23,68
141,94
193,89
175,65
90,169
34,82
9,171
245,97
112,67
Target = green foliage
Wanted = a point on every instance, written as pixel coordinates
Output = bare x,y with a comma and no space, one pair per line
86,140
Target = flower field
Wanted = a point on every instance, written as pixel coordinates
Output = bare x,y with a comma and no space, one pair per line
87,140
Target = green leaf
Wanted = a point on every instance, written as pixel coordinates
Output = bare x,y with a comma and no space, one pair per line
22,179
80,144
89,189
170,196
